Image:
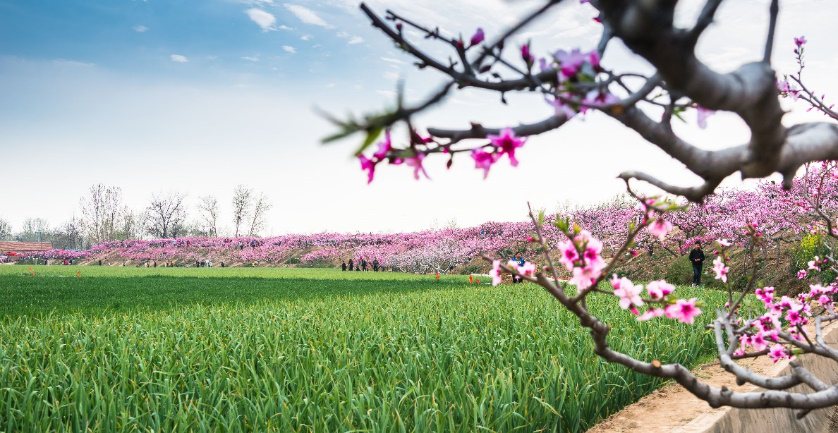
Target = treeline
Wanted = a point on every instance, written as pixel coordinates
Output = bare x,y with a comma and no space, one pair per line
104,217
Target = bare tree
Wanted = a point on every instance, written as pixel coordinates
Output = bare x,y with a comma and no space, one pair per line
33,230
130,225
101,212
5,230
261,206
573,82
208,210
242,199
165,215
69,236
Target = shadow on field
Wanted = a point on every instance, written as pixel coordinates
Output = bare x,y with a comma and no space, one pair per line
108,295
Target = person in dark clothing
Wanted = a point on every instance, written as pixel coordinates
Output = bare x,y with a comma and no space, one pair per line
520,260
351,265
343,266
697,259
364,265
375,265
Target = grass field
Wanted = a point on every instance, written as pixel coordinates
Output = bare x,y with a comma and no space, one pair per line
299,350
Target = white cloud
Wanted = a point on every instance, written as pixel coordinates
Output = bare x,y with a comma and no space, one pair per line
342,35
250,59
265,20
392,60
177,58
307,16
289,49
305,37
355,40
140,28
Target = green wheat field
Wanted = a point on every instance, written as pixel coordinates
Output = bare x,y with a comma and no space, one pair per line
310,350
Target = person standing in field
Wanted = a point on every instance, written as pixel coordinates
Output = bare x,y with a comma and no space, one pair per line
343,266
351,265
697,260
520,260
375,265
364,264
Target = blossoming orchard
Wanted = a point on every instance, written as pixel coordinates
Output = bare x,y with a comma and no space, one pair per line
575,82
673,254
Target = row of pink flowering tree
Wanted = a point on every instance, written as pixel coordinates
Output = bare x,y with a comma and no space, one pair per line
575,82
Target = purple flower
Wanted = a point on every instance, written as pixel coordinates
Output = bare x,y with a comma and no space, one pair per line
703,114
483,160
369,165
526,55
800,41
416,163
478,37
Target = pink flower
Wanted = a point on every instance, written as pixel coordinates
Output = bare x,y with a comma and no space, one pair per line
703,114
383,147
758,342
815,264
660,228
659,289
583,277
683,311
526,55
571,62
569,254
723,242
720,269
506,143
416,163
483,160
562,108
794,318
629,293
478,37
777,352
495,273
800,41
824,300
527,269
655,312
801,274
595,98
369,165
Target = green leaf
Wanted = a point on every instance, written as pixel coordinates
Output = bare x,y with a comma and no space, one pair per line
372,134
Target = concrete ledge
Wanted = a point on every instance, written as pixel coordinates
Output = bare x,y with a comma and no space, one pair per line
673,410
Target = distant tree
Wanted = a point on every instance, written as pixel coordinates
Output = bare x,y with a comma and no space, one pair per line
68,236
130,225
165,215
5,230
242,199
101,213
261,206
208,210
33,230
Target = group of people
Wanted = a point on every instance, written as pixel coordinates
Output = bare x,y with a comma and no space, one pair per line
361,265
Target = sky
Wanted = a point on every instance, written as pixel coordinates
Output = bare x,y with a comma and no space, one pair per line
198,96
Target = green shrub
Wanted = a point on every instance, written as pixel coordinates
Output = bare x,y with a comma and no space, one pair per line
810,246
679,271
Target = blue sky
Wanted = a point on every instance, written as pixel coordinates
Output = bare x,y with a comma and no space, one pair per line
200,96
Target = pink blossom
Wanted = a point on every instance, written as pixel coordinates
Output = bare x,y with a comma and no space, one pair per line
506,143
369,165
526,55
561,108
569,254
583,277
723,242
659,289
800,41
495,273
629,293
815,264
660,228
383,146
571,62
801,274
683,310
649,314
703,114
777,352
824,300
416,163
720,269
596,98
483,160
